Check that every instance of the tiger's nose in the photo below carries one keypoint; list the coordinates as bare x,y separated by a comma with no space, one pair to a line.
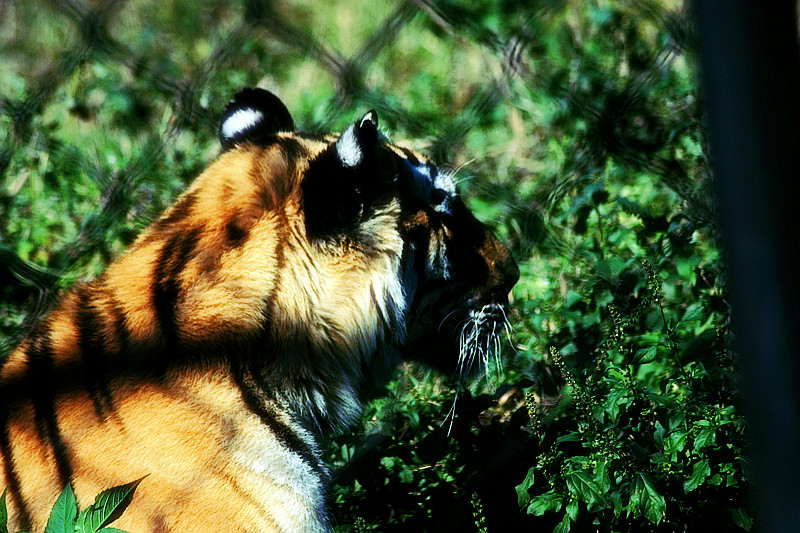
506,275
511,273
503,270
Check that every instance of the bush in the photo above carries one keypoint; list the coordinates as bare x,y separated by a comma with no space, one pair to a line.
577,134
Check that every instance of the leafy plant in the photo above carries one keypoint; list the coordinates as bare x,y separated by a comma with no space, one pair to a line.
65,516
576,131
619,403
639,443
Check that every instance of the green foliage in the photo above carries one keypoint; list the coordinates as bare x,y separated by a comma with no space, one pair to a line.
622,364
3,513
576,131
65,518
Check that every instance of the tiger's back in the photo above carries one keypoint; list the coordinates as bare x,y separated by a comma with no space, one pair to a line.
277,294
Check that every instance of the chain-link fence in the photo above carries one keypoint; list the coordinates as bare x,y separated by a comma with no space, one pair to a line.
68,56
79,36
575,129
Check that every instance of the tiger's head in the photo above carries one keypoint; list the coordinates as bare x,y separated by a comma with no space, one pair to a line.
325,259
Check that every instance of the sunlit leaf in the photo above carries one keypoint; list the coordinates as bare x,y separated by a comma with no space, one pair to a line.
584,487
107,507
3,513
65,510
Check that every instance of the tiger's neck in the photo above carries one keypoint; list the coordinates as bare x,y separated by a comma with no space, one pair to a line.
125,326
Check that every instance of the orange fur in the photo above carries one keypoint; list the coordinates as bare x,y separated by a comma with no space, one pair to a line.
214,354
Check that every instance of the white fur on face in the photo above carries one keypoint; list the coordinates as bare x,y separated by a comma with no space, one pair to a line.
438,262
436,187
241,121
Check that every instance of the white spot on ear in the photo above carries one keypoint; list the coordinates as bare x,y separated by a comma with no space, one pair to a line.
241,121
348,149
371,116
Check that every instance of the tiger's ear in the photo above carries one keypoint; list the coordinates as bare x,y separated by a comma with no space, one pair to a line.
343,182
358,142
252,115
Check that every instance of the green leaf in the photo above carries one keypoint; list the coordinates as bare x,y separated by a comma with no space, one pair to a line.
549,501
694,313
572,509
601,16
616,400
603,477
700,472
647,355
633,208
107,507
572,436
675,443
3,513
584,487
616,502
65,510
609,269
646,499
405,475
705,437
742,518
523,498
618,395
658,434
564,526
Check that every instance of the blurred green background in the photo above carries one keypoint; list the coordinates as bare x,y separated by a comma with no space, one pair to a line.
576,131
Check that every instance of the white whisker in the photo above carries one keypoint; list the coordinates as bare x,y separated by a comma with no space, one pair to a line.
480,341
459,168
445,320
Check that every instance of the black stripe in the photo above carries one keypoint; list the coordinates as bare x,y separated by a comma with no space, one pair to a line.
253,397
175,254
381,317
274,189
122,337
245,369
410,156
42,383
235,234
294,151
422,238
270,304
181,210
94,353
10,473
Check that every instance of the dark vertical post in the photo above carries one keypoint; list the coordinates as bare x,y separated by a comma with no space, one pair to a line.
751,77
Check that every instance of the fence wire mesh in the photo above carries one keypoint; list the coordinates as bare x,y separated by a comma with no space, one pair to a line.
575,129
81,78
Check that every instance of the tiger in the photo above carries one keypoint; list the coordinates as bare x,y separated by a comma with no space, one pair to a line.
247,324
